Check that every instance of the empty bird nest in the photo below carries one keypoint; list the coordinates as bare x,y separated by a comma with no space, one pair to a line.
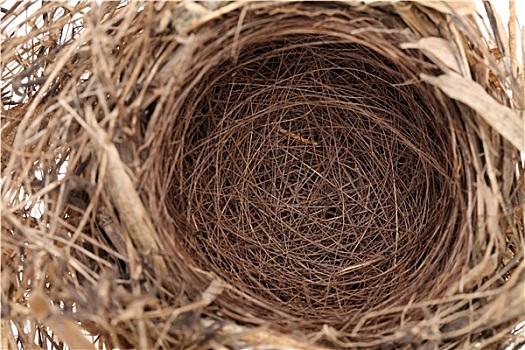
233,175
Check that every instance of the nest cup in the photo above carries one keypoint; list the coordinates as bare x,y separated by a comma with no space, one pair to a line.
312,171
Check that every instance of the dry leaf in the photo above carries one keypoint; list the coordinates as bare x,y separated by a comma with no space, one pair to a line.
438,50
64,328
416,19
462,8
503,119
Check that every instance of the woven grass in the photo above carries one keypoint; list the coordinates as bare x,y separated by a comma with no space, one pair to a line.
275,175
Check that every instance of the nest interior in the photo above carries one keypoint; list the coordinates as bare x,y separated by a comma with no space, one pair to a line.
312,171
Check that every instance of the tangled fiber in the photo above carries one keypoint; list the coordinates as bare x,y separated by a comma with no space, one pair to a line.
285,175
313,172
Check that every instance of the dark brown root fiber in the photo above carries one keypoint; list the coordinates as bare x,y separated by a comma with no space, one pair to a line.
313,171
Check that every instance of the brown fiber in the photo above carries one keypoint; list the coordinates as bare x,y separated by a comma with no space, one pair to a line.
277,175
315,174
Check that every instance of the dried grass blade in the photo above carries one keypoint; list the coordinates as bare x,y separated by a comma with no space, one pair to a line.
503,119
65,329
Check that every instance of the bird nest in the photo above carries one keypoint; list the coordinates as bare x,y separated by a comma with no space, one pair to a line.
278,174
